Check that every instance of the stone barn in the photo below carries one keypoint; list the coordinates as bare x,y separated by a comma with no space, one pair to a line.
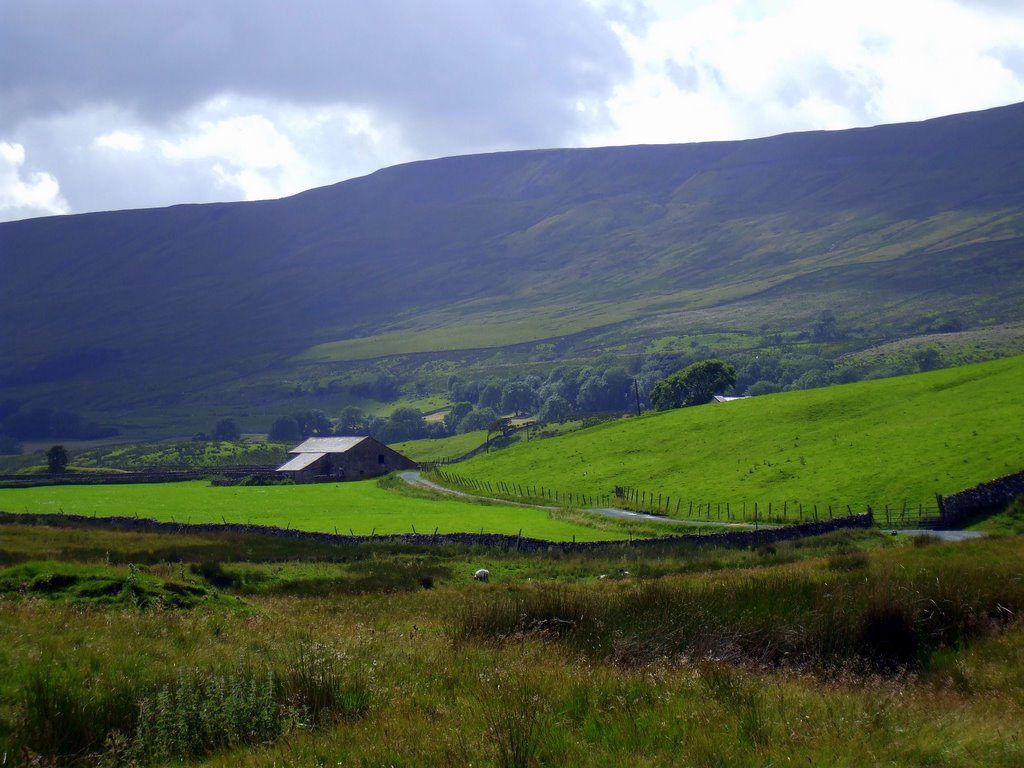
321,459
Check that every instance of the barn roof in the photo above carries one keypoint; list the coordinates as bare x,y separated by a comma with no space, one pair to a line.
300,462
323,445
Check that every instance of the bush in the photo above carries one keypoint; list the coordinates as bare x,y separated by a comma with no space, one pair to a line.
226,430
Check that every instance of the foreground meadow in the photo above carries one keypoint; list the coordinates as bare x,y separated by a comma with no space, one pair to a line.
362,508
854,649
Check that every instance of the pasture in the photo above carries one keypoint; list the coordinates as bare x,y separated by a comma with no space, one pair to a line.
362,508
875,443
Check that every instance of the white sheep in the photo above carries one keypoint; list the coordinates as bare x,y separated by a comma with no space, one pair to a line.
482,575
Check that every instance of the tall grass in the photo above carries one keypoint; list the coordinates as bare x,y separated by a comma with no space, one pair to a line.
514,711
593,678
881,619
66,714
71,718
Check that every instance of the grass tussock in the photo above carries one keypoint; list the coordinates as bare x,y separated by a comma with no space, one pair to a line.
101,586
880,619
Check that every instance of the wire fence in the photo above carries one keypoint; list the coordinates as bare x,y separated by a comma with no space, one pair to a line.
902,515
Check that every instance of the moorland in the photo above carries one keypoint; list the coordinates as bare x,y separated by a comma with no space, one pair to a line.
853,649
843,253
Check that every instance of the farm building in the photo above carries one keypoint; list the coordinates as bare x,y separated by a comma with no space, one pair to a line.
341,458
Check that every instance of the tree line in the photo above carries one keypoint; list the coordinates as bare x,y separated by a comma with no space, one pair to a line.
19,423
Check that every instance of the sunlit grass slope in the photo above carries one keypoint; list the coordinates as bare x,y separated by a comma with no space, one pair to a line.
442,448
363,507
878,442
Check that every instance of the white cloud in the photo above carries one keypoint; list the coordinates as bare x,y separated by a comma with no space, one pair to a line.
24,195
246,140
265,150
122,141
740,68
246,100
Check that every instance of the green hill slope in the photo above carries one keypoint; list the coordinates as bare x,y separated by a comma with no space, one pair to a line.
878,442
170,307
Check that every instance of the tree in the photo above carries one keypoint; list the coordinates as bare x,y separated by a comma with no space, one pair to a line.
351,421
285,430
518,397
604,390
226,429
57,459
455,415
314,424
502,425
763,387
490,395
478,418
694,385
555,408
826,328
404,424
927,359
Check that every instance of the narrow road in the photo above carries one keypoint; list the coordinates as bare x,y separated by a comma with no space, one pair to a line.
415,478
943,535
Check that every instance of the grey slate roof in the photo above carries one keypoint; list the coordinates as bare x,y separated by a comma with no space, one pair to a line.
308,451
327,445
299,462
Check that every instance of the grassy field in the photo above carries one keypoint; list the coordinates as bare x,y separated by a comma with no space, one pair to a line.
443,448
362,507
191,454
877,443
854,649
1009,522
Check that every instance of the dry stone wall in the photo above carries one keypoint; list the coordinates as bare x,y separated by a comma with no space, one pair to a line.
487,540
980,500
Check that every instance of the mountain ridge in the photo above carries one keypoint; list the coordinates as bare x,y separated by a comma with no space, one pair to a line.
511,247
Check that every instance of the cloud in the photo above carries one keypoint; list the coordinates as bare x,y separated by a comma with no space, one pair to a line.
133,104
22,194
740,68
482,72
120,141
187,100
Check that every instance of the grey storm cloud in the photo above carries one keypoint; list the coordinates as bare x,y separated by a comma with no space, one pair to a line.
508,71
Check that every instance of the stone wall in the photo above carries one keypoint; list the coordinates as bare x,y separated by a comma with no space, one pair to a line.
980,500
123,478
489,540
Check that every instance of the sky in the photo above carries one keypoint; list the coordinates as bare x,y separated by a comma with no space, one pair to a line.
112,104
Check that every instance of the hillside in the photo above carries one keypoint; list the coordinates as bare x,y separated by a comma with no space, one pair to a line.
899,229
878,442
